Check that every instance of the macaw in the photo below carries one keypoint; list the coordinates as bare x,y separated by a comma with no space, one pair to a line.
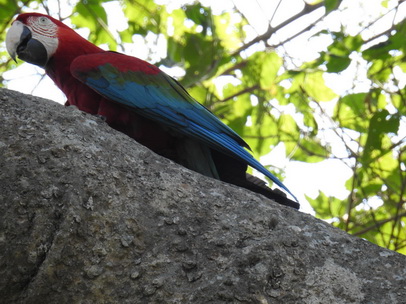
140,100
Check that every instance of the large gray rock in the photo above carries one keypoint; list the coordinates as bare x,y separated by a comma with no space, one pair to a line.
90,216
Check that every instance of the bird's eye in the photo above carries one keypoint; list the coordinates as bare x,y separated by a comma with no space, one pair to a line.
43,20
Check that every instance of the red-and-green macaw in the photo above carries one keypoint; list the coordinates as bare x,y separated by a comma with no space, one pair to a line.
138,99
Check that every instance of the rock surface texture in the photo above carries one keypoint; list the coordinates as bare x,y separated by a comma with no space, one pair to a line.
87,215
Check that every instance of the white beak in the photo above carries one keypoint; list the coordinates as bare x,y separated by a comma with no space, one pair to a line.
13,38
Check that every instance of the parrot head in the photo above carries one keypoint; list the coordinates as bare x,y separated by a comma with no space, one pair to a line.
33,38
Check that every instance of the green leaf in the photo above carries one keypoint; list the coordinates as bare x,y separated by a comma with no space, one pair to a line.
242,106
262,133
352,43
6,7
331,5
382,50
398,102
343,44
202,55
174,50
310,121
238,110
315,86
144,16
337,64
200,15
91,14
126,36
271,64
252,69
86,14
356,102
380,124
226,31
311,151
286,124
199,93
338,53
351,113
327,207
380,70
178,23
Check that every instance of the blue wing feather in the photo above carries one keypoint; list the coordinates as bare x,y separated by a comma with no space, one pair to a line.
162,99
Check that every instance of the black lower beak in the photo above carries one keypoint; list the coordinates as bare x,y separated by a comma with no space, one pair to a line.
31,50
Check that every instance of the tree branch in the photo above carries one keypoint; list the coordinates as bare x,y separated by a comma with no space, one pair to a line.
380,18
271,30
246,90
379,224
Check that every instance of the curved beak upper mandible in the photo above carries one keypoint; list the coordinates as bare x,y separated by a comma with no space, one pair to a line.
19,42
